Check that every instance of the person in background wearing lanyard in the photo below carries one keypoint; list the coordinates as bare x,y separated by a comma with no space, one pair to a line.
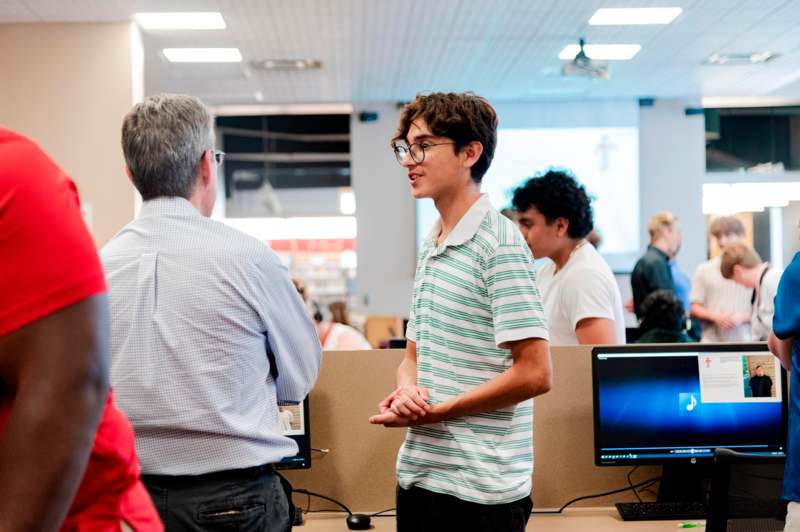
742,264
581,298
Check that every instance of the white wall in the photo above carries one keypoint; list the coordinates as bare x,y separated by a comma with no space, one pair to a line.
606,113
671,173
791,216
385,216
68,86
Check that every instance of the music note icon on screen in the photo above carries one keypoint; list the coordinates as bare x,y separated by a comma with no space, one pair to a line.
692,404
688,403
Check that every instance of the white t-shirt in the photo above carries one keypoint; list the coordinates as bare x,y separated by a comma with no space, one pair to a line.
583,288
340,337
715,293
764,306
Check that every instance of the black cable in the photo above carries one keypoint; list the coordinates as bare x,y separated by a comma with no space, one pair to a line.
649,481
645,489
383,513
630,483
753,475
334,501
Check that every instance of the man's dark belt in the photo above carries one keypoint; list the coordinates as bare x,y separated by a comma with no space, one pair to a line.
214,476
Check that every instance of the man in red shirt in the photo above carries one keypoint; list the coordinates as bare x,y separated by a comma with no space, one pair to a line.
55,410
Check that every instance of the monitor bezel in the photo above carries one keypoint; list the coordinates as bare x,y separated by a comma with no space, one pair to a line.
675,348
303,444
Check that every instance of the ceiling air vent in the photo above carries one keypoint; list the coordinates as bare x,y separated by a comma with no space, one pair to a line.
740,59
286,64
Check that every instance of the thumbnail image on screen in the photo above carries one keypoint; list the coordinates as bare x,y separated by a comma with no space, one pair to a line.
292,419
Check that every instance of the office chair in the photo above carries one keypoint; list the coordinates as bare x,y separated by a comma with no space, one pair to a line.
746,493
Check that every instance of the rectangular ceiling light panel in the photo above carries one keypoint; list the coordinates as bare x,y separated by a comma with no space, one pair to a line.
181,21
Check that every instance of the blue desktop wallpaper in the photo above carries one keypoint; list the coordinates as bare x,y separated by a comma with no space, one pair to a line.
643,403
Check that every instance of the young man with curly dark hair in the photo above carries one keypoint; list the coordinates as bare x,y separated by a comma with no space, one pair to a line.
582,301
477,340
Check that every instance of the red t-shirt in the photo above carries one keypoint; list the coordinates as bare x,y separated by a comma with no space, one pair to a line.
48,261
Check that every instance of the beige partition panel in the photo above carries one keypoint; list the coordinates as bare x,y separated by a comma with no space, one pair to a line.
563,439
359,470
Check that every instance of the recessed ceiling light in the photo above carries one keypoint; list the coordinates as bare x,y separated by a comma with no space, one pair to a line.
202,55
634,16
740,59
603,52
181,21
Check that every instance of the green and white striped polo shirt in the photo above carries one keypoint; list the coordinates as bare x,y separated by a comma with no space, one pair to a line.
473,293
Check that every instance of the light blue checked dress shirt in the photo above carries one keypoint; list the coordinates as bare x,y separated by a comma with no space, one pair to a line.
208,336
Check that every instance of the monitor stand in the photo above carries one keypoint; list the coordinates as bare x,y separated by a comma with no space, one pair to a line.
684,483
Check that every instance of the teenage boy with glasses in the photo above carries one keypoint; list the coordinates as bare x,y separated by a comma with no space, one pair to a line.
477,339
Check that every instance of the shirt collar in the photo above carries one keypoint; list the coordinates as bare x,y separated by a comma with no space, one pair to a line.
466,227
659,251
168,206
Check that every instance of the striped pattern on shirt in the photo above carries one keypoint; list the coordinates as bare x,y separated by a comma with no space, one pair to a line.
472,294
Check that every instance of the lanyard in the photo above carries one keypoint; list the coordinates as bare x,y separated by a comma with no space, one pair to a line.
758,290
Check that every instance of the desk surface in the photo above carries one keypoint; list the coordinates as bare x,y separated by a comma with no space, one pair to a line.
572,520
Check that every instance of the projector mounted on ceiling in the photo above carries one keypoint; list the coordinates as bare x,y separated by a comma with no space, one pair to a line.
582,66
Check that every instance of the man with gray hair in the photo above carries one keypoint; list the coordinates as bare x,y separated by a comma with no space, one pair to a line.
208,335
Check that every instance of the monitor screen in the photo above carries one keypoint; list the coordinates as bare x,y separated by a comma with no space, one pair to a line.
295,424
677,403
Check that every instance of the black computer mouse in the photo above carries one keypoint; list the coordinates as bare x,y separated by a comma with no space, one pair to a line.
358,522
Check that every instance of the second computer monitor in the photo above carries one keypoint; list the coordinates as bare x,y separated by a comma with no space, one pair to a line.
675,404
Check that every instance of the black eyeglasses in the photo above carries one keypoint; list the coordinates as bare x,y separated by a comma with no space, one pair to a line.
219,156
416,150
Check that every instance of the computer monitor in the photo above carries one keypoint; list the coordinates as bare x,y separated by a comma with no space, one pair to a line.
295,424
674,404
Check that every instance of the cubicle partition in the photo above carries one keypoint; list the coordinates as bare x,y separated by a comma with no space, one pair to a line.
359,467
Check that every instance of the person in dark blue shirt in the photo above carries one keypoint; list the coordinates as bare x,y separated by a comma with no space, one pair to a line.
682,284
784,342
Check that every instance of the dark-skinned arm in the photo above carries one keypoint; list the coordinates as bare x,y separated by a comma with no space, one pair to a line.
55,368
